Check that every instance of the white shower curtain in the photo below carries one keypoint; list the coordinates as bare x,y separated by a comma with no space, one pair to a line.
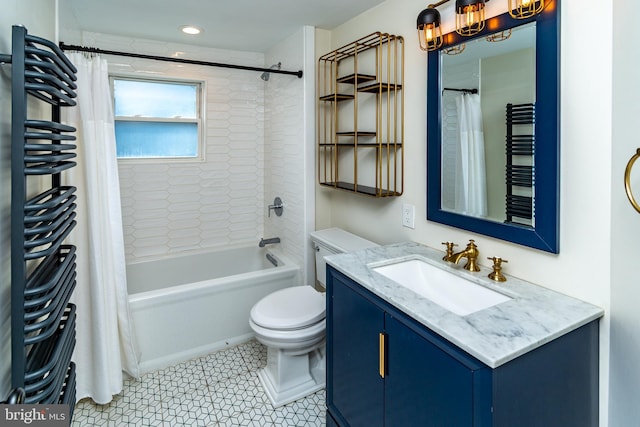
471,180
105,340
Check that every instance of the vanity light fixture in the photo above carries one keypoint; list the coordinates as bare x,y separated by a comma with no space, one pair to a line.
522,9
190,29
470,19
429,29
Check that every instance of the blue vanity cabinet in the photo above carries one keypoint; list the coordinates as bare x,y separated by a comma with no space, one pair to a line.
430,382
355,391
426,382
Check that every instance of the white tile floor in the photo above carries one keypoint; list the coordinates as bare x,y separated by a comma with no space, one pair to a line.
221,389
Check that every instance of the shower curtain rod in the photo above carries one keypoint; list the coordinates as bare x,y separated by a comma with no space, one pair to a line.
65,46
461,90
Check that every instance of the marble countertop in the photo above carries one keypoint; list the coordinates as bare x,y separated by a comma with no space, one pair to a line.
495,335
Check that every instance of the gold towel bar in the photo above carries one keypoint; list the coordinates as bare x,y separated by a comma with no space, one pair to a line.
627,180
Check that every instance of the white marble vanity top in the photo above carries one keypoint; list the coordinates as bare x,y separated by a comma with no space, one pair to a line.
496,335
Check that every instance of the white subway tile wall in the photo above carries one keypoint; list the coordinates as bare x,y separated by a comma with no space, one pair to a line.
285,148
170,207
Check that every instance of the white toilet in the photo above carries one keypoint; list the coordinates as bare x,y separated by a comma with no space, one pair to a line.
291,323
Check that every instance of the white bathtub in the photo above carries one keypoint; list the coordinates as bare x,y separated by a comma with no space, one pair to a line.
188,306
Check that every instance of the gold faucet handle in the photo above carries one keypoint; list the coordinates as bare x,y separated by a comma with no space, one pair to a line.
496,274
450,246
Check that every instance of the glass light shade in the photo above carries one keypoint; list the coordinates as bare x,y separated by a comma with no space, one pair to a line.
429,29
469,17
521,9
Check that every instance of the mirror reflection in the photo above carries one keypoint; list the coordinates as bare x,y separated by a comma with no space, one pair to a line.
488,91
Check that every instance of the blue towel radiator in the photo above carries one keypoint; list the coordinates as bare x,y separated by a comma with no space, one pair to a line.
42,266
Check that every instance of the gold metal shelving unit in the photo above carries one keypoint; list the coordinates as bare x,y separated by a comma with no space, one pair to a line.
361,116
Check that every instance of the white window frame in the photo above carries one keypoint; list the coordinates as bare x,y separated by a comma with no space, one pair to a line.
199,120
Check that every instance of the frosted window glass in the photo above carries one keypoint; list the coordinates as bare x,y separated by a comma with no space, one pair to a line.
139,98
156,139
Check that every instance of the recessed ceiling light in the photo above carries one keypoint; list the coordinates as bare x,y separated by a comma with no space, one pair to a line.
190,29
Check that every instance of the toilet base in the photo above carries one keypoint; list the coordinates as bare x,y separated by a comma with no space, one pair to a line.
290,377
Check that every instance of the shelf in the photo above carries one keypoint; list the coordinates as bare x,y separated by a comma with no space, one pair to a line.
337,97
371,41
369,74
382,145
359,133
360,78
379,87
362,189
369,88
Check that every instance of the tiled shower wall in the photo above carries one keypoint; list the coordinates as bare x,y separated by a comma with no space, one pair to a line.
285,148
171,207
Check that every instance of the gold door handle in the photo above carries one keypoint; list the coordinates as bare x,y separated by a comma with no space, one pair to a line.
382,349
627,180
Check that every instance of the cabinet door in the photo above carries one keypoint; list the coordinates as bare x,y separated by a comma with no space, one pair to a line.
425,386
355,390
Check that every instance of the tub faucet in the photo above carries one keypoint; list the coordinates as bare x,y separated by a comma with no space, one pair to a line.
265,242
470,253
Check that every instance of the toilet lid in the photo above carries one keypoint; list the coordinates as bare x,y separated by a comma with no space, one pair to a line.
289,308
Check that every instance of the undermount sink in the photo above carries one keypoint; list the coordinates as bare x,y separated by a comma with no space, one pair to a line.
446,289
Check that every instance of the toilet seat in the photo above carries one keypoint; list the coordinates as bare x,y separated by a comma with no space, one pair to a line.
290,309
293,341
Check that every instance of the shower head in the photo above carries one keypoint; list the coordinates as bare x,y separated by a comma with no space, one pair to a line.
265,76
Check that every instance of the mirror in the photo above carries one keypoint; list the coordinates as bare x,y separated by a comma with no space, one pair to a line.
493,131
479,83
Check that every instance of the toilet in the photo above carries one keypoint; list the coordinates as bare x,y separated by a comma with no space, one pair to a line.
291,324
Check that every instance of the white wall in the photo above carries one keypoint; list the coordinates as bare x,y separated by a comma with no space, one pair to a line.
625,289
322,198
290,147
583,267
39,17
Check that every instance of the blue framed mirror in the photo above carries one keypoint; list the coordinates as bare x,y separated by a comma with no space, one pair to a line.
493,134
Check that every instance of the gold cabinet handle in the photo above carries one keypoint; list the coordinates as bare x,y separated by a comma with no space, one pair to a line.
382,348
627,180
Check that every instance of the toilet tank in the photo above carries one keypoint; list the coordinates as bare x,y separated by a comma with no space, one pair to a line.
334,241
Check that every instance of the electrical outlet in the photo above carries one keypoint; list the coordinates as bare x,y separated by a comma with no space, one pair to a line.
408,216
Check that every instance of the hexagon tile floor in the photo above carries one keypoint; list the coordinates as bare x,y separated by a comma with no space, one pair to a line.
220,389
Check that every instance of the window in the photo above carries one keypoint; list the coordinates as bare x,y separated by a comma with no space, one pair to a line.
157,118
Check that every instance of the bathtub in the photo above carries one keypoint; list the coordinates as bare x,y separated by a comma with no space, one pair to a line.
189,306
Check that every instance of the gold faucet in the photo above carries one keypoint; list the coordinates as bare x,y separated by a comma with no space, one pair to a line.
470,253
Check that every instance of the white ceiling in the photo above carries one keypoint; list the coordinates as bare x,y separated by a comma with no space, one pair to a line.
247,25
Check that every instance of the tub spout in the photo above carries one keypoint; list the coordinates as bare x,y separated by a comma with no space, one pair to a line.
265,242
